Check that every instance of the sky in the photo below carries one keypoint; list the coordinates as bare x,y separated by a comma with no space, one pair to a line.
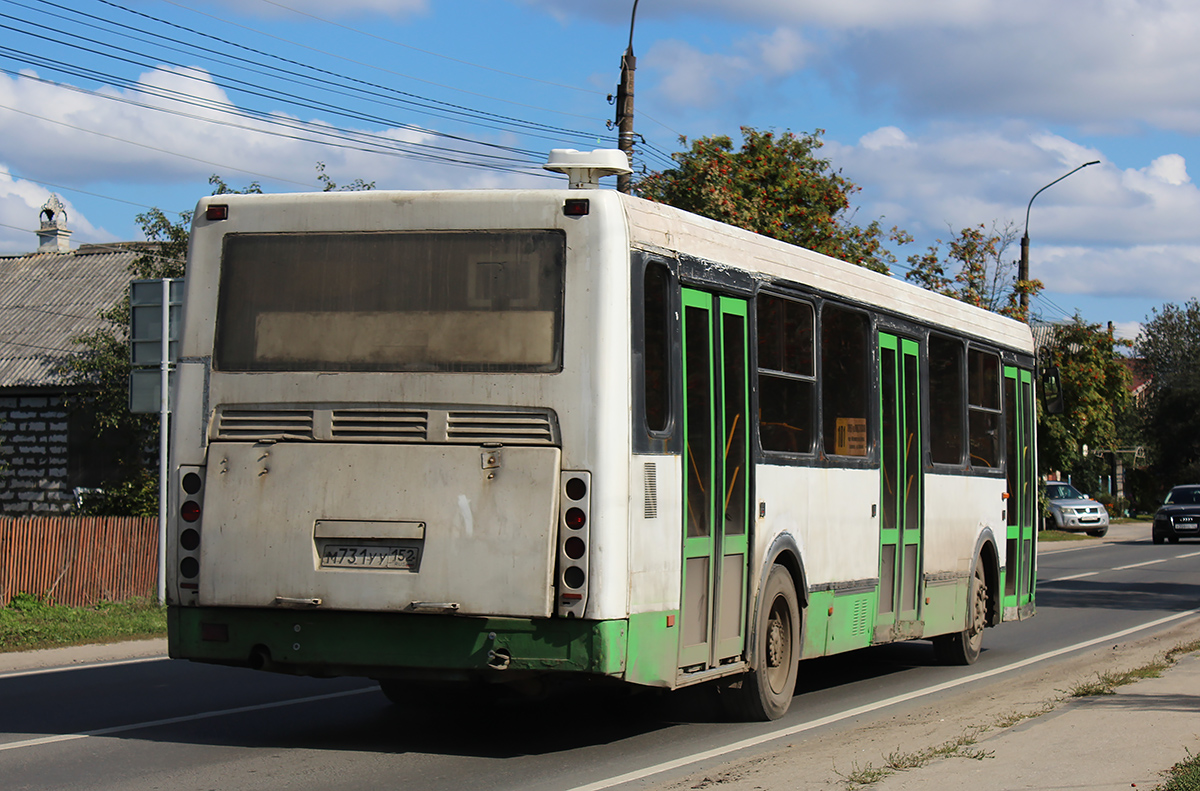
946,113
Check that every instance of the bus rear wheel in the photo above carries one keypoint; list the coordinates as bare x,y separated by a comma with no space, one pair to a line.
766,691
962,648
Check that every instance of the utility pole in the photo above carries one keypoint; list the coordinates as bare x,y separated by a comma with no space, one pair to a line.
625,106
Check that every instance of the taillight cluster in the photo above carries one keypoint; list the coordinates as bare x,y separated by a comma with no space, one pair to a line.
187,538
574,528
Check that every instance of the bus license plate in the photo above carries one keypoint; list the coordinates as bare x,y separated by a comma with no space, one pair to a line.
371,556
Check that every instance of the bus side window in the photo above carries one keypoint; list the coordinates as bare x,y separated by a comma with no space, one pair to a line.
845,388
786,375
657,349
945,399
983,401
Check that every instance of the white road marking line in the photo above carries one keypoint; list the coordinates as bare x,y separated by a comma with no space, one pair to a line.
66,737
754,741
88,666
1121,568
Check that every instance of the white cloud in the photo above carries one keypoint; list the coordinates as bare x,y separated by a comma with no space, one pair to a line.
687,77
1169,168
885,137
1113,65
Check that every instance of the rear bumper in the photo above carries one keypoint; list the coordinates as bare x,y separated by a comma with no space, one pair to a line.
383,644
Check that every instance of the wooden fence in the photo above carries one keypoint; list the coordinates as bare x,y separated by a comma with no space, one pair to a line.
78,560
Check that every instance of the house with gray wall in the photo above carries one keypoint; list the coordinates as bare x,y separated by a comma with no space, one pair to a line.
49,446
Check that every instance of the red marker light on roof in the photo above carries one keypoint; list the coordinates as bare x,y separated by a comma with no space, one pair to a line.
576,207
218,212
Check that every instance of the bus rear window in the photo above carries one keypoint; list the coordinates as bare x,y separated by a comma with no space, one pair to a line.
460,301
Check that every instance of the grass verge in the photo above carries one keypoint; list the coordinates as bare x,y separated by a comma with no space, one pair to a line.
27,623
1061,535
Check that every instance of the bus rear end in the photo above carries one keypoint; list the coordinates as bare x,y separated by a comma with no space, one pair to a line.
384,463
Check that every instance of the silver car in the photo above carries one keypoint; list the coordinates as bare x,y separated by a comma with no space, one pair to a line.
1074,510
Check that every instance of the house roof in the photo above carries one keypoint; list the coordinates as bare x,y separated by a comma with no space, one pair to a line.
46,298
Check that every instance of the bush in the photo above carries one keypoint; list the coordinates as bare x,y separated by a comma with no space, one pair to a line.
135,496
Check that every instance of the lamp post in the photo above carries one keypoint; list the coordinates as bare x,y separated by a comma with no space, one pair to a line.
625,106
1023,269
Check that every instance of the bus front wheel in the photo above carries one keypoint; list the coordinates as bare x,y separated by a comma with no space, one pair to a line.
766,691
962,648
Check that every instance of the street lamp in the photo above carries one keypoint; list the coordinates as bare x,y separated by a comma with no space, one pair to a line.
625,106
1023,269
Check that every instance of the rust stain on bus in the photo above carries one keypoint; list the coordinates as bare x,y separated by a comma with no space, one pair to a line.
78,561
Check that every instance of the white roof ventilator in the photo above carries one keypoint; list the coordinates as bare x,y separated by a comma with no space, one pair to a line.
584,169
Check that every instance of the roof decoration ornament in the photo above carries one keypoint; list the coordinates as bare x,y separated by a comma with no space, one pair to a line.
52,209
54,235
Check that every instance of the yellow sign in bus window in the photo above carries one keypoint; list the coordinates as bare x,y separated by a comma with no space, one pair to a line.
851,436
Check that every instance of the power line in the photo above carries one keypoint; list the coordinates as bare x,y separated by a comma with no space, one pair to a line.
374,93
242,86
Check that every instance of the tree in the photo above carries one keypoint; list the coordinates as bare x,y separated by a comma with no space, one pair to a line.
1169,346
100,369
981,275
1095,386
773,185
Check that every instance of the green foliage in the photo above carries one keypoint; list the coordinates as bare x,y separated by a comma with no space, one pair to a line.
981,275
136,495
773,185
1096,392
1169,345
329,185
29,623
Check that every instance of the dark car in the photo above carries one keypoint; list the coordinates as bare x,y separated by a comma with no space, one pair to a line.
1179,516
1073,510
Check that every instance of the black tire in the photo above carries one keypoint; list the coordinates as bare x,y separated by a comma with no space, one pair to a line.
1159,539
1099,532
962,648
765,692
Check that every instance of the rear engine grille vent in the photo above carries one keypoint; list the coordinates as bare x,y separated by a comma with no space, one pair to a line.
503,427
380,425
254,424
384,424
858,618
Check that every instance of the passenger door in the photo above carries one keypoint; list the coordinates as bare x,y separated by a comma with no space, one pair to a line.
1019,577
716,480
902,483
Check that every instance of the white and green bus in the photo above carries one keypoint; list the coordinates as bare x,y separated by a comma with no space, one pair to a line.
505,437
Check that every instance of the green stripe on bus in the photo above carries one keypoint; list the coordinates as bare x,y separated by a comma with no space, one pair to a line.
358,643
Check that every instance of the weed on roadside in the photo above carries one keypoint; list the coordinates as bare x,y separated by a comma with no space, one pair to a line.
1183,776
1107,683
1012,718
28,623
898,761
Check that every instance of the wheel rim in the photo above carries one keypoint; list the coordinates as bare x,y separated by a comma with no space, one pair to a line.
779,645
978,612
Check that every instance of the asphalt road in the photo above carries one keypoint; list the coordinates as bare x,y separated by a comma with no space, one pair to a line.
164,724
